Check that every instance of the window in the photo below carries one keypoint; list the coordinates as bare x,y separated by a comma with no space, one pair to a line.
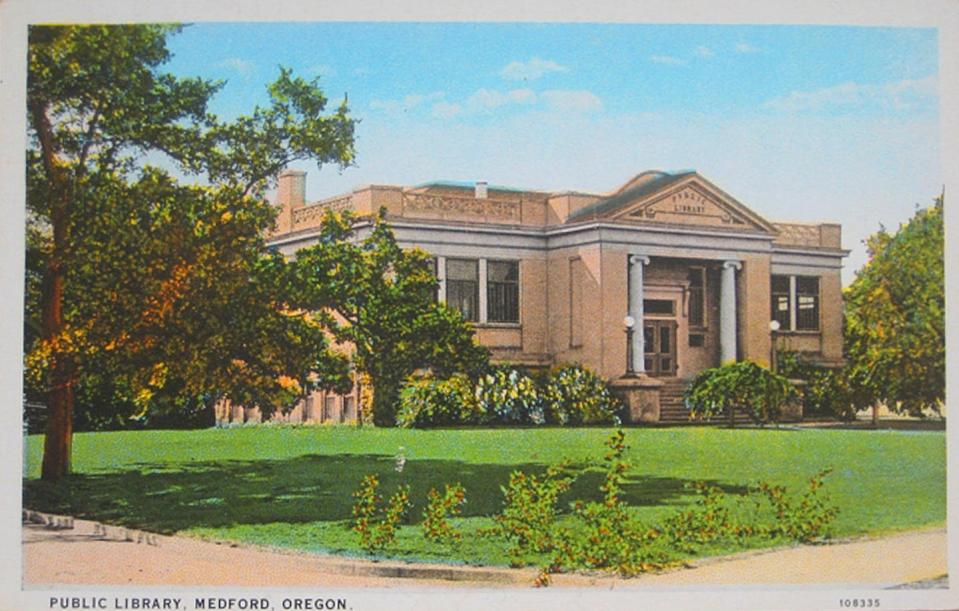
329,405
807,303
348,410
502,291
659,306
795,302
781,302
697,297
462,287
577,276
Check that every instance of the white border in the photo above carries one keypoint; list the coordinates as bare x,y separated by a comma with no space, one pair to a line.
15,14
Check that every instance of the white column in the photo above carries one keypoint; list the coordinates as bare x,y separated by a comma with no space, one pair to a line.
482,290
635,307
441,278
727,312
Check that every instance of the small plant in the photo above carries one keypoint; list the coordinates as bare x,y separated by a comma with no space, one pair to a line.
376,526
439,508
805,520
707,521
508,396
575,395
605,535
528,518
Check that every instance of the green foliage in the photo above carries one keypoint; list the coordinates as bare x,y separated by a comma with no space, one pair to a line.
895,317
826,391
428,401
439,508
704,523
605,535
805,519
158,288
508,396
528,519
384,298
739,385
376,525
575,395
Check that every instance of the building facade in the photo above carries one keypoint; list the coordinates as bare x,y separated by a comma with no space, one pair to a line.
550,277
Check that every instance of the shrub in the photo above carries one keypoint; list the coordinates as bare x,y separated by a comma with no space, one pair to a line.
744,385
707,521
805,519
528,518
575,395
439,507
508,396
827,391
376,526
428,401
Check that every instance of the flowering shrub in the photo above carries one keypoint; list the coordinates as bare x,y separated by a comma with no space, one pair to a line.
529,512
376,526
805,519
429,401
439,507
575,395
508,396
739,385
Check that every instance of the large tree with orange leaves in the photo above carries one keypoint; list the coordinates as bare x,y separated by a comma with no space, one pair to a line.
136,278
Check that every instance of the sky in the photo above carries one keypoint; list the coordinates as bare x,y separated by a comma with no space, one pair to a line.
800,123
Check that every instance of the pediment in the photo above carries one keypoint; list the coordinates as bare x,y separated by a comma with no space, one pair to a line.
693,201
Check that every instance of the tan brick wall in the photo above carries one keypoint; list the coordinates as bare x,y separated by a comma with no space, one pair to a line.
754,315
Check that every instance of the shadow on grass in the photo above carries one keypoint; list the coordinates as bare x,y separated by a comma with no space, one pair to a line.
304,489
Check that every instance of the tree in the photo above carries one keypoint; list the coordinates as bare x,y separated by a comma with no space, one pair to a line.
895,317
381,299
134,274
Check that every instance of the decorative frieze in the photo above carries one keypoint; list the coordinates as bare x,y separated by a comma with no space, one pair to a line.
453,207
796,234
312,215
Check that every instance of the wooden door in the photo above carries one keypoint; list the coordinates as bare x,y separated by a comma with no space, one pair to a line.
660,347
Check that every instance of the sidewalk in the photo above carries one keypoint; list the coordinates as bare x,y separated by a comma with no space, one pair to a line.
94,554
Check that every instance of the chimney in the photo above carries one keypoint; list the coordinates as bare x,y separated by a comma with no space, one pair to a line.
291,189
481,189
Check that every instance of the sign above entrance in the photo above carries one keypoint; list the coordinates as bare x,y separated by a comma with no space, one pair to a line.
689,206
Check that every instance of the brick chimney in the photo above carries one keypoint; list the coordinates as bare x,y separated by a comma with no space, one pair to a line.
290,195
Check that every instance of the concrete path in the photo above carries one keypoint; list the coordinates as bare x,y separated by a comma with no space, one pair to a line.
90,553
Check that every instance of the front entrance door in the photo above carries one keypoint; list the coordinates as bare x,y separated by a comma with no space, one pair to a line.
659,337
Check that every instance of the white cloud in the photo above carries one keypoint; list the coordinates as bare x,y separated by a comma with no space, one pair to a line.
894,95
488,99
242,66
745,47
406,103
667,60
445,110
572,100
704,51
531,70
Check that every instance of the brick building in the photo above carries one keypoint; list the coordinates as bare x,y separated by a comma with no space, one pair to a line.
550,277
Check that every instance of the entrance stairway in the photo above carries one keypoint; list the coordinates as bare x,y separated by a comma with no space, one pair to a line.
672,410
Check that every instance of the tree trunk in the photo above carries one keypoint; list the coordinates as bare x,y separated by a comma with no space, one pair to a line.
58,440
59,434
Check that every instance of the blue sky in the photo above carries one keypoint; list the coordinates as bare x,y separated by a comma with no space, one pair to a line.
800,123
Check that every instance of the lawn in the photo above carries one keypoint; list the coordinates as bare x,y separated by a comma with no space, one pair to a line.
291,487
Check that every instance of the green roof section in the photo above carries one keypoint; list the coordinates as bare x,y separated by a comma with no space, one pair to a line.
661,180
467,184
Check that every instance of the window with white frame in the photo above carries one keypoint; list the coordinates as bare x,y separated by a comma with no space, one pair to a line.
462,287
482,290
502,291
795,302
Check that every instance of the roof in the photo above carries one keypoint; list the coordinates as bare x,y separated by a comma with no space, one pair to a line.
467,184
656,181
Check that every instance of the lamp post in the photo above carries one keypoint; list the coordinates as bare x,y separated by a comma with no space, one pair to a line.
773,328
630,322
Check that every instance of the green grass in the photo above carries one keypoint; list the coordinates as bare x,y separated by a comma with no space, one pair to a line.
291,487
